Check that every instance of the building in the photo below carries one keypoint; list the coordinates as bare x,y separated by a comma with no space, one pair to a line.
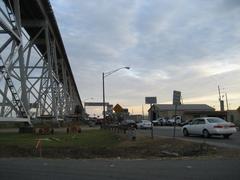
186,111
234,116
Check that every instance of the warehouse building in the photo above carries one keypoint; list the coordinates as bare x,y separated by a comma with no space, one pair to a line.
186,111
234,116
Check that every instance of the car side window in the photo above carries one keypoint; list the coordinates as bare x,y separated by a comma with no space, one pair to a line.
194,122
201,121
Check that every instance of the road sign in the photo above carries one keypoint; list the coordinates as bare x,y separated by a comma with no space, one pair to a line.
118,108
176,97
150,100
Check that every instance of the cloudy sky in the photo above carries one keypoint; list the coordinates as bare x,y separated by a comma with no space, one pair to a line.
187,45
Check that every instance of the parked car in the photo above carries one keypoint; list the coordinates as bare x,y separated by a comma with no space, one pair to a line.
207,126
171,122
144,124
128,123
159,122
155,122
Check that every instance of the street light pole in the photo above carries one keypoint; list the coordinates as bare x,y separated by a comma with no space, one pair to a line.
104,112
103,81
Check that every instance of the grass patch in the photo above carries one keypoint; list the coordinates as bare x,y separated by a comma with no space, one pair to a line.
59,145
102,144
89,139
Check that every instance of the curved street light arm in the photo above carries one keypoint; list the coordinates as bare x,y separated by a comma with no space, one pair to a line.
111,72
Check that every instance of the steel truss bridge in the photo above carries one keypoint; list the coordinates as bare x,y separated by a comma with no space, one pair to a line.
36,80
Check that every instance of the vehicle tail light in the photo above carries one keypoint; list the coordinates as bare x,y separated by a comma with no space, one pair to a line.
218,126
232,125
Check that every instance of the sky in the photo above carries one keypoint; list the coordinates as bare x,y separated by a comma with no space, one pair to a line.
187,45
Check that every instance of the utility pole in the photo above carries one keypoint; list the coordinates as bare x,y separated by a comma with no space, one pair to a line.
176,102
142,111
220,100
175,116
219,93
226,100
151,105
104,112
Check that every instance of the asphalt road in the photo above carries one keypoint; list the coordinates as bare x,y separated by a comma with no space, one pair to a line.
119,169
232,142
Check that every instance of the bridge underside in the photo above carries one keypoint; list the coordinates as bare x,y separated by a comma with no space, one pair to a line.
35,75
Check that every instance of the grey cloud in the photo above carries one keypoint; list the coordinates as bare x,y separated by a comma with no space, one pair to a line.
160,40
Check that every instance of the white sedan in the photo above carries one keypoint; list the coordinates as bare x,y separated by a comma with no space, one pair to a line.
144,124
207,126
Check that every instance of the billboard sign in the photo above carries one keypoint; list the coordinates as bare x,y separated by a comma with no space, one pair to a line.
176,97
151,100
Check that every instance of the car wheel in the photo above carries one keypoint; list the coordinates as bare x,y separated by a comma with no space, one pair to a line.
185,132
206,133
226,136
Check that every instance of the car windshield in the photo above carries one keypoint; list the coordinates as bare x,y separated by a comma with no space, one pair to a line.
215,120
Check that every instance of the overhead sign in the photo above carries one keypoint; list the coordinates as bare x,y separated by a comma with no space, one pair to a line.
118,108
176,97
150,100
95,104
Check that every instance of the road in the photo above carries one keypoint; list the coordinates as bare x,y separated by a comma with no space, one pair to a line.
232,142
118,169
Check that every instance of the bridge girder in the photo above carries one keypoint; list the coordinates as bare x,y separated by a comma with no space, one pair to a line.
35,75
